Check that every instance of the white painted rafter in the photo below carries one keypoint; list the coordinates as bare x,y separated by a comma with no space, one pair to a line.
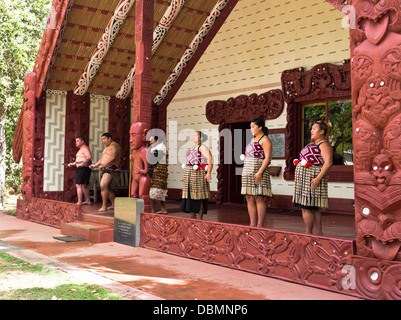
158,35
105,43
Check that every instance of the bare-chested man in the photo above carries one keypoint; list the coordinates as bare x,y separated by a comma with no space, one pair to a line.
109,174
82,161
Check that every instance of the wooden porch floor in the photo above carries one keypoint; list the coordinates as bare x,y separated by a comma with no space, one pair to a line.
334,225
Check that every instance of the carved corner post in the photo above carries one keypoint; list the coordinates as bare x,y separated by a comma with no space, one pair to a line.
28,135
375,40
142,94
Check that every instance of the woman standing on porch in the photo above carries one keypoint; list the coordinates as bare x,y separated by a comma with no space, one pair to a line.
255,176
310,189
195,184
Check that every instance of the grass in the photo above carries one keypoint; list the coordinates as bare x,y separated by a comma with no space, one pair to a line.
40,283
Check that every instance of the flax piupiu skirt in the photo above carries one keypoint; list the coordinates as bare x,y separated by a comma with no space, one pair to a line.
304,196
195,191
248,185
158,182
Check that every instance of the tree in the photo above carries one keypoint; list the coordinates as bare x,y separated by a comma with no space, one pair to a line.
22,23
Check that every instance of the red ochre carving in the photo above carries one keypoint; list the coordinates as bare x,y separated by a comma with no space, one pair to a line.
376,95
376,83
285,255
244,108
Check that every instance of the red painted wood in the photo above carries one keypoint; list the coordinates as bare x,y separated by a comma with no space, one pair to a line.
28,135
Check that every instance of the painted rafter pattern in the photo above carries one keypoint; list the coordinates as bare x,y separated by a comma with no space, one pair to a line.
105,43
189,53
158,35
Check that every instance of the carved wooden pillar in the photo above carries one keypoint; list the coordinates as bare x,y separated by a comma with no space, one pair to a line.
28,135
119,124
142,95
376,98
142,100
38,159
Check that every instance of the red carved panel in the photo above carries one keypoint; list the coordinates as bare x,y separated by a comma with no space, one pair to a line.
28,135
48,212
244,108
142,92
301,258
377,279
376,112
119,125
38,159
324,81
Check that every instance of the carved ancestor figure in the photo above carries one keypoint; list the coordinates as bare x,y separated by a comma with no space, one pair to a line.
376,97
140,178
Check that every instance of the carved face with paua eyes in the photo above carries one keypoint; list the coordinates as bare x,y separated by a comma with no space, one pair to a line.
383,170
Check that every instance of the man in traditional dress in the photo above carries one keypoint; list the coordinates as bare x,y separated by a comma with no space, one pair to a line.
109,173
159,175
82,161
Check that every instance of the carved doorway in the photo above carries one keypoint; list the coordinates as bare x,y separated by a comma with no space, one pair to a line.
237,113
240,134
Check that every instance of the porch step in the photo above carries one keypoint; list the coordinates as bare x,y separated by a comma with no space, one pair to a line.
98,218
92,231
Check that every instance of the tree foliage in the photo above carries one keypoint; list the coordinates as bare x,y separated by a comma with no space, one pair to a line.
22,23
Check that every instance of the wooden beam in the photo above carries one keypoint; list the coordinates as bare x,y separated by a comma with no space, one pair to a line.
105,43
164,25
142,102
191,56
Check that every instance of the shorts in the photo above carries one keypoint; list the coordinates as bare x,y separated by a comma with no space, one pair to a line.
83,175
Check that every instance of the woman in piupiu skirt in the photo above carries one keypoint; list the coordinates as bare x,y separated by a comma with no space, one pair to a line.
310,183
195,183
255,179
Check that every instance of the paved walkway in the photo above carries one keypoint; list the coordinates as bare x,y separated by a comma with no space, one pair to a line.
144,274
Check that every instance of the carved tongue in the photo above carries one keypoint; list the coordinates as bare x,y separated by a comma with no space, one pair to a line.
385,251
375,30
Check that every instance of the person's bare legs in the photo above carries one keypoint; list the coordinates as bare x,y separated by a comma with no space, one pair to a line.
104,190
261,209
152,205
112,196
318,222
163,209
252,210
312,219
79,193
85,190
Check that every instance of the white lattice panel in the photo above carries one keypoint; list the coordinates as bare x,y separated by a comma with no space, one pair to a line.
53,176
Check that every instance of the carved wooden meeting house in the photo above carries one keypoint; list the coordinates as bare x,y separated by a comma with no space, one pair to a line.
214,65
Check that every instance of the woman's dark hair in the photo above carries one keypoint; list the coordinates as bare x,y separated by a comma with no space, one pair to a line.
325,126
260,123
201,137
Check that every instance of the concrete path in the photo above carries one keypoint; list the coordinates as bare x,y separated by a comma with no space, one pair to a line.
144,274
